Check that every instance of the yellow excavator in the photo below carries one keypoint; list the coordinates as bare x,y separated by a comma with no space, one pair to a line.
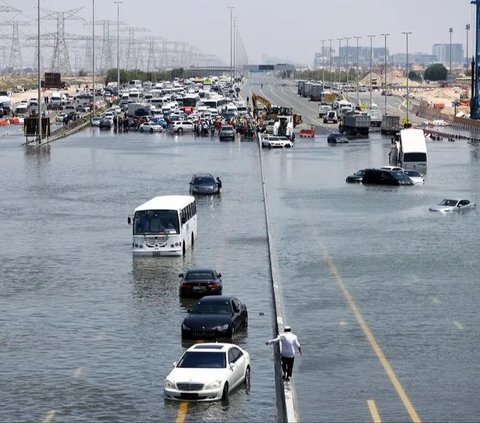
271,112
256,101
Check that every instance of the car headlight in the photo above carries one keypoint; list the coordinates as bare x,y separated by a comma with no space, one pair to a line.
185,327
169,384
214,385
221,327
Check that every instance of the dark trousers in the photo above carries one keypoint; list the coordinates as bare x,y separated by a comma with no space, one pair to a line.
287,365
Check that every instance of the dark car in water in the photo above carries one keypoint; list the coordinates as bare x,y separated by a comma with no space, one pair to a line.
385,177
337,138
200,282
204,183
356,177
215,316
227,132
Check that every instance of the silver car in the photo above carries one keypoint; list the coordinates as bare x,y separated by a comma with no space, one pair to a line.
449,205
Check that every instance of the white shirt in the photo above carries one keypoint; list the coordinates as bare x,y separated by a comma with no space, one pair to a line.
288,342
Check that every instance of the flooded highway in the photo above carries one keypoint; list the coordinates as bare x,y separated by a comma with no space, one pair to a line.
382,293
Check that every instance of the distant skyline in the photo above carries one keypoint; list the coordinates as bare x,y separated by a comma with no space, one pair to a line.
267,27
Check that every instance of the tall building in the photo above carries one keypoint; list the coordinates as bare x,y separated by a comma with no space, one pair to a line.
442,53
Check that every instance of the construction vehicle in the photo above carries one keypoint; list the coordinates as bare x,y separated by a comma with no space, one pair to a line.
260,103
272,112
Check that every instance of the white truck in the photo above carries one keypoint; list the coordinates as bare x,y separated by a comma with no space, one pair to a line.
283,126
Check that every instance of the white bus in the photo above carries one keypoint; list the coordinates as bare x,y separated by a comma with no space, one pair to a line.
164,226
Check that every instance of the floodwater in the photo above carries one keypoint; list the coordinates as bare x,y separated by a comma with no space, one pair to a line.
90,332
411,274
86,329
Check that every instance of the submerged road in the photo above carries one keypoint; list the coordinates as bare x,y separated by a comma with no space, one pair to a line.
381,292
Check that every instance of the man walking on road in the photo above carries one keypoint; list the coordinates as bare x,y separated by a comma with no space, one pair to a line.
288,342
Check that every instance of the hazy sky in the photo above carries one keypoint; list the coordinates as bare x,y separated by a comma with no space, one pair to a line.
290,30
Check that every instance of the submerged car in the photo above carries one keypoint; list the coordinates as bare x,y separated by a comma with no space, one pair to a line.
386,177
227,132
274,141
199,282
215,316
450,205
205,184
356,177
337,138
208,372
150,127
416,177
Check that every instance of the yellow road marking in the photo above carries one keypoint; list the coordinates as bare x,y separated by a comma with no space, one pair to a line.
49,417
182,412
374,412
371,339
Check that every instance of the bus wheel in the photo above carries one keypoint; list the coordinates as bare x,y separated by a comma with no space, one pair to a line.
193,239
183,248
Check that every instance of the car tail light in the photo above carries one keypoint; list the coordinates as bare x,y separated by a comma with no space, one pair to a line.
214,285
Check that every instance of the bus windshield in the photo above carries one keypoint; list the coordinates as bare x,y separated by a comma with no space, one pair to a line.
155,222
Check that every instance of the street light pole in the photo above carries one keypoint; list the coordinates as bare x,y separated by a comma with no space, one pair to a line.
339,61
347,64
330,40
467,29
39,77
371,58
385,72
407,33
450,30
231,41
323,63
93,54
356,71
118,47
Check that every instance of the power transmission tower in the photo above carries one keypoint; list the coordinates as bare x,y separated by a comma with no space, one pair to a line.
151,59
60,58
16,60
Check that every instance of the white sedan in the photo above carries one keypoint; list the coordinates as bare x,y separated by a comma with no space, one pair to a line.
274,141
150,127
449,205
208,372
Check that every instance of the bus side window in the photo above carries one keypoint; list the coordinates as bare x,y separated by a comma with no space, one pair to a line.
183,217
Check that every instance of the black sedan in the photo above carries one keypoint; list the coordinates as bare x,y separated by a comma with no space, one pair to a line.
337,138
200,282
205,184
215,316
385,177
356,177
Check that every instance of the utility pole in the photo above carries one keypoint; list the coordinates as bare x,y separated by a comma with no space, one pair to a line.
407,33
371,58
